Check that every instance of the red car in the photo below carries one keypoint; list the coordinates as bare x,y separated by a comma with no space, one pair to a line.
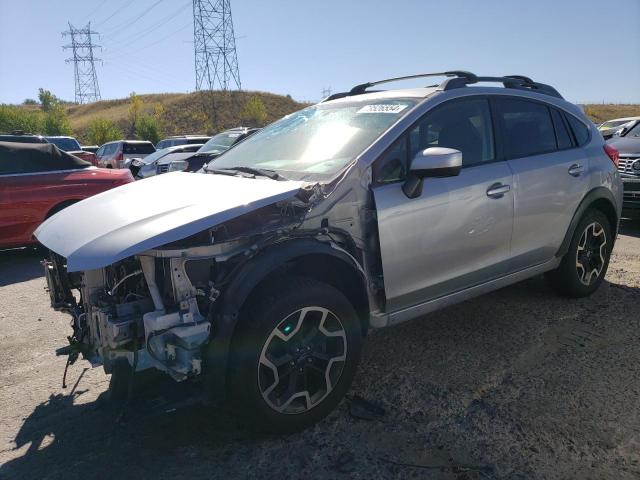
38,180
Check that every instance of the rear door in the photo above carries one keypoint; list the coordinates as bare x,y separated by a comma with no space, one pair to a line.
457,233
550,175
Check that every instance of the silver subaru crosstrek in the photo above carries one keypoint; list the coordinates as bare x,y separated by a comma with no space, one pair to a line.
259,278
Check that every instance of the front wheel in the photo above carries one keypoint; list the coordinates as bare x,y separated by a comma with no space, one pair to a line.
585,264
295,355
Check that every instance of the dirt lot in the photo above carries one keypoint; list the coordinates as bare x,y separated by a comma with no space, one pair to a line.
516,384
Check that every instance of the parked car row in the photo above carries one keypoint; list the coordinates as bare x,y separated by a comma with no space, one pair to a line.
186,153
67,144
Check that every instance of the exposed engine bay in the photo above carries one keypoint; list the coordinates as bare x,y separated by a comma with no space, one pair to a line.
155,310
158,309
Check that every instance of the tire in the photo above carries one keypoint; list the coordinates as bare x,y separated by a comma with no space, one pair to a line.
283,335
580,274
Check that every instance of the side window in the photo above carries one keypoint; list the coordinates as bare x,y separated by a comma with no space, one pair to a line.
562,134
100,151
527,128
461,124
580,131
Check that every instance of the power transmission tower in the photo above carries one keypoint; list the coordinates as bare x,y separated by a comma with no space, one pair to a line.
215,45
326,92
87,89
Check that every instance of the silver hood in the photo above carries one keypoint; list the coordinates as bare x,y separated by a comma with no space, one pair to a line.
146,214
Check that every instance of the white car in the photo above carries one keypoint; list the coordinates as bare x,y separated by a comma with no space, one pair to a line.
148,166
609,128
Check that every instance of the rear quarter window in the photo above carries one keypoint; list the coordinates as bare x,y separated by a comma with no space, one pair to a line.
579,129
562,134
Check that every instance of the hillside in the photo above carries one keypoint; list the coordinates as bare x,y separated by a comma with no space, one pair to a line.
210,112
197,112
600,112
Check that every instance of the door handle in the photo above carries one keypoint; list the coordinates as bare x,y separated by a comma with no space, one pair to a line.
576,170
497,190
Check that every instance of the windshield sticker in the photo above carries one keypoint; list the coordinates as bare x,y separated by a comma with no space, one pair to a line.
233,135
382,108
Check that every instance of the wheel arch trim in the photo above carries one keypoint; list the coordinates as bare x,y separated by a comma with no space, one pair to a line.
244,282
594,196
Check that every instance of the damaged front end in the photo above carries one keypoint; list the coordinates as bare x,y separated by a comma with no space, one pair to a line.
157,309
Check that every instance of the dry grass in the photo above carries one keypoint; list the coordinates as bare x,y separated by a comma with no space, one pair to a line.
184,113
602,112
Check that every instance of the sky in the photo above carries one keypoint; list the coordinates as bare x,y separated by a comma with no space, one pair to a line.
587,49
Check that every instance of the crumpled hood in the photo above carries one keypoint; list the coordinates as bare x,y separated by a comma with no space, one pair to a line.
149,213
625,145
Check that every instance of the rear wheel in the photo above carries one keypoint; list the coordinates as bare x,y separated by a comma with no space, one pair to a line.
295,355
585,264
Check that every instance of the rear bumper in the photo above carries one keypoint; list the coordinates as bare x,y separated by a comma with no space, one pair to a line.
631,198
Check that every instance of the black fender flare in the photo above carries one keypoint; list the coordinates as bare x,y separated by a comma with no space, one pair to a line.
244,281
598,193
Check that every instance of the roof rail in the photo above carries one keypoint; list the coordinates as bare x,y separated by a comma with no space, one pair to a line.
519,82
457,79
360,89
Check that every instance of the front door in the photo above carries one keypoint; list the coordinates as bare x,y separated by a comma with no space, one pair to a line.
457,233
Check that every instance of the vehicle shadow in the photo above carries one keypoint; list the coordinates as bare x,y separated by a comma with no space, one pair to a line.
19,265
65,437
630,227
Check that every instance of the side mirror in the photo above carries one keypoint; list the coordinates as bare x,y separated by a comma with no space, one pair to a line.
432,162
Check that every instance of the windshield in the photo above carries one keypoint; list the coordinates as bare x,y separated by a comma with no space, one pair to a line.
613,123
152,157
66,144
634,132
318,141
219,143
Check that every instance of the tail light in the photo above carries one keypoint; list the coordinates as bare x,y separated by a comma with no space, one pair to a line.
613,154
119,159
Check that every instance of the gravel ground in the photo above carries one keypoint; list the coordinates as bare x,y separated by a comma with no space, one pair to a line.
516,384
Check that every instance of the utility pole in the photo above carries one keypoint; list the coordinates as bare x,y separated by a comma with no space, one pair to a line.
86,80
214,43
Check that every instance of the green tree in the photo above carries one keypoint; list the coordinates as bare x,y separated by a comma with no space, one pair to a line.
16,118
254,113
148,127
30,101
102,131
56,121
47,99
135,105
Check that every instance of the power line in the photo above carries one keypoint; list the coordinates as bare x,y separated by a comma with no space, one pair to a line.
118,10
216,60
124,52
130,23
86,80
138,35
93,12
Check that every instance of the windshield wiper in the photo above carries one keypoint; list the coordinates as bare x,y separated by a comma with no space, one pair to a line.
262,172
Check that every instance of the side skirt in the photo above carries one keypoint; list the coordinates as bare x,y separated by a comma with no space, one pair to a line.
379,320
